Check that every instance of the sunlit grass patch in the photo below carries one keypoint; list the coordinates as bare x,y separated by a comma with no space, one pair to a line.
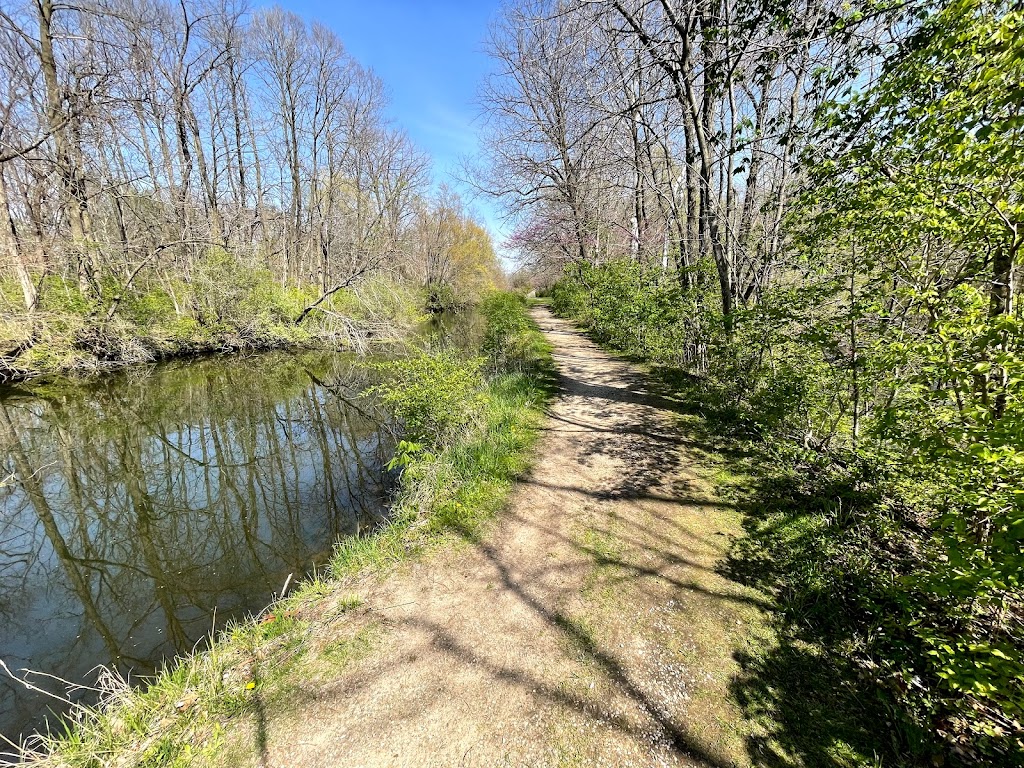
342,652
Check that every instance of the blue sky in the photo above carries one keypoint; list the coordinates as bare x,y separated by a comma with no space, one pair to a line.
430,56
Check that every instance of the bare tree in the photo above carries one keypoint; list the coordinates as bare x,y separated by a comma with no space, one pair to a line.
138,139
660,127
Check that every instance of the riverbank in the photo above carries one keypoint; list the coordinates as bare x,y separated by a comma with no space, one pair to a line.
68,336
449,487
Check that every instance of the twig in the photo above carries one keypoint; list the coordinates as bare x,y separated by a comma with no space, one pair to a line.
35,688
396,605
71,686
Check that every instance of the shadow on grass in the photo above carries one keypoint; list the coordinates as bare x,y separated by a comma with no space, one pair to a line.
809,533
807,541
812,688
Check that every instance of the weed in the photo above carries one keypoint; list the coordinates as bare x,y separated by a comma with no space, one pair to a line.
347,650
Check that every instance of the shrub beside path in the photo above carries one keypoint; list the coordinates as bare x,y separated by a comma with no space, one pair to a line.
589,625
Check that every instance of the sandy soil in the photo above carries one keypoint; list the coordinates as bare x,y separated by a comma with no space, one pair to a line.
590,626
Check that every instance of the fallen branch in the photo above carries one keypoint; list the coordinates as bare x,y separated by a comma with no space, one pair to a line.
327,294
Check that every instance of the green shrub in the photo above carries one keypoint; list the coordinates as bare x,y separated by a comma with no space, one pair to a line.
511,341
433,395
149,307
643,311
440,297
63,296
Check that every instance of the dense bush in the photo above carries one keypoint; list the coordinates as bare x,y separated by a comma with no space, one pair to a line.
468,412
433,394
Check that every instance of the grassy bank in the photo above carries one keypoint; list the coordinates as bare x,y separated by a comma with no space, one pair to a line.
469,430
226,307
809,685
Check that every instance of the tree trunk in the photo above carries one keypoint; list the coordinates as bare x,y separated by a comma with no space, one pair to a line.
11,249
1001,305
72,180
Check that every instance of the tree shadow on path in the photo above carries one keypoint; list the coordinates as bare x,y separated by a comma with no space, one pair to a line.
812,707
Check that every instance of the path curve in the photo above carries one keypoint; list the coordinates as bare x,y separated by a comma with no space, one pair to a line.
589,627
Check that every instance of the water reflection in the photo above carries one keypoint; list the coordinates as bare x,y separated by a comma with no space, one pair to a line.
463,330
141,504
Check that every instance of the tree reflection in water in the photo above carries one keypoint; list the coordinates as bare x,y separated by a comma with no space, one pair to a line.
143,503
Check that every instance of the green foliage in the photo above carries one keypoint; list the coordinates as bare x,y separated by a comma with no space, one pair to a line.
63,296
967,465
643,311
433,395
934,170
405,454
231,293
462,481
10,293
511,341
441,297
148,306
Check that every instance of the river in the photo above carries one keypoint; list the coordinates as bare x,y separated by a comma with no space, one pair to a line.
139,509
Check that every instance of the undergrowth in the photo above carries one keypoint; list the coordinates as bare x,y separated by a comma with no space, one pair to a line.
228,306
467,442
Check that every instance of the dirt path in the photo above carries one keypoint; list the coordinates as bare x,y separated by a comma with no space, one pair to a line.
590,627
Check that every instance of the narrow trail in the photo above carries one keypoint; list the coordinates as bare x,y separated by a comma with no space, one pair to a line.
590,626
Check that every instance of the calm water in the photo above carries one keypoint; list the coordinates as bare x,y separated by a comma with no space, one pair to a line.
138,507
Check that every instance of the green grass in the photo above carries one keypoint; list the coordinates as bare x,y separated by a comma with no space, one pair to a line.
342,652
175,721
806,542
